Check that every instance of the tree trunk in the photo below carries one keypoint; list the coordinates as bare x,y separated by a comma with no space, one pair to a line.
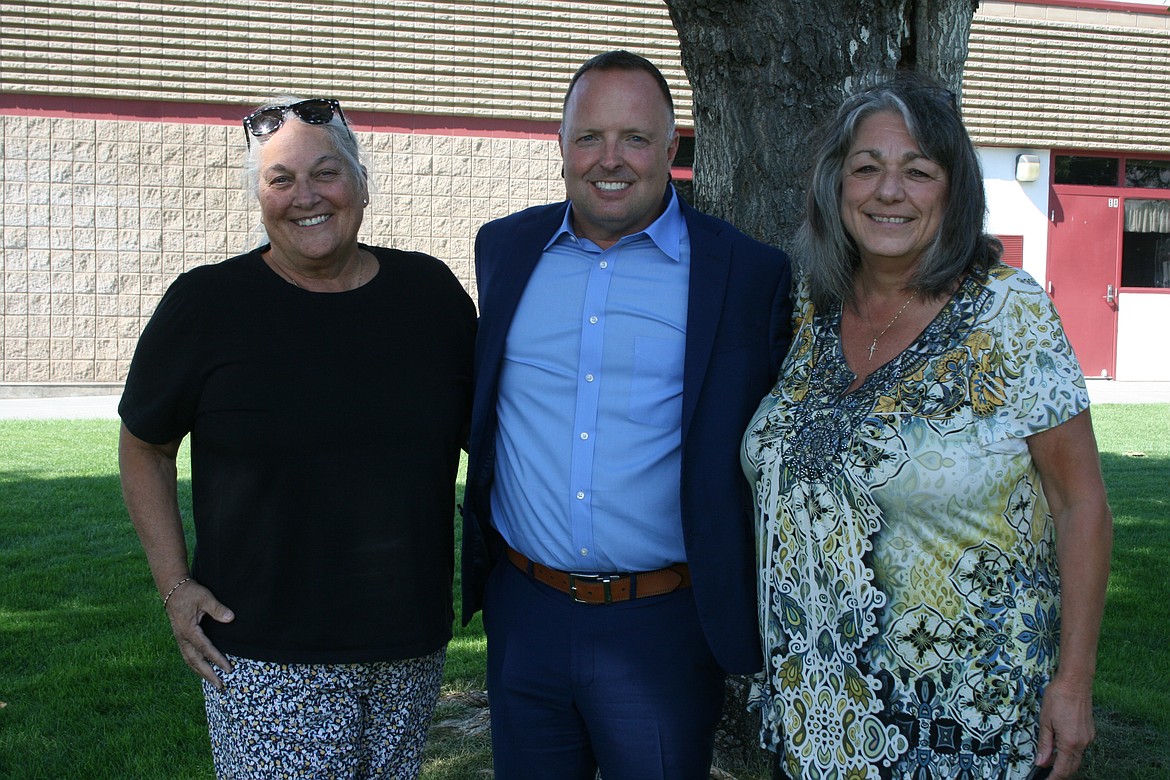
765,75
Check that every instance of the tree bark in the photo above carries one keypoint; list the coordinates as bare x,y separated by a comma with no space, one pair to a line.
766,75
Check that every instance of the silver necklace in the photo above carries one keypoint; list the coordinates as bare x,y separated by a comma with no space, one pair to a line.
873,345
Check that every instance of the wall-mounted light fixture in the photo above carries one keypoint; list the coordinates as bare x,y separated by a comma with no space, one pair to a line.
1027,167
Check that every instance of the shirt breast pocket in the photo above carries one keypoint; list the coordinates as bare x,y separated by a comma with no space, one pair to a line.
656,384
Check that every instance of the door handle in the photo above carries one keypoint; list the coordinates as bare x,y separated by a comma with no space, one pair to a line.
1110,293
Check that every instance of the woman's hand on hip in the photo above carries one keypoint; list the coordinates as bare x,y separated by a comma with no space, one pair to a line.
186,609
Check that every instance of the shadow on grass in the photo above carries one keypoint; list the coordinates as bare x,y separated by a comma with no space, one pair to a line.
1126,749
1134,656
91,682
94,685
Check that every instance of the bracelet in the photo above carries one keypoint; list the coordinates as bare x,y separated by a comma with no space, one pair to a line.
171,592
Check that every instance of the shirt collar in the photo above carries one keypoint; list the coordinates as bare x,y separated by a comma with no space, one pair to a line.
665,232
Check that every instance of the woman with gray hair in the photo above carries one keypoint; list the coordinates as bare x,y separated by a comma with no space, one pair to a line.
325,385
932,528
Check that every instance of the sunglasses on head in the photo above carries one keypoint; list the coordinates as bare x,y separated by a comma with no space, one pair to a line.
263,122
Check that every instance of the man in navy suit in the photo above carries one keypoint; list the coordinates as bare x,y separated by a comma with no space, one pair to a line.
624,341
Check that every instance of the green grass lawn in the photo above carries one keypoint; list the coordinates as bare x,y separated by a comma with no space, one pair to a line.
91,685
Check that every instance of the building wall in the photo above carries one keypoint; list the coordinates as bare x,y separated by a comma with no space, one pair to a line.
1049,76
1018,208
1043,76
1143,320
99,216
459,58
120,141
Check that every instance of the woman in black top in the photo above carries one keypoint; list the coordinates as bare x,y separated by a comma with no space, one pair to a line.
325,386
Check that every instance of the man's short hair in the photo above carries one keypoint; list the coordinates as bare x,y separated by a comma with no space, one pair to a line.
620,59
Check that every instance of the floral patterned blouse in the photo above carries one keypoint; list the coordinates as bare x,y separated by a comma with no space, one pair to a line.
908,584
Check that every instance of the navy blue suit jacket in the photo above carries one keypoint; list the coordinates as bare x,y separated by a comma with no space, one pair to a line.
738,331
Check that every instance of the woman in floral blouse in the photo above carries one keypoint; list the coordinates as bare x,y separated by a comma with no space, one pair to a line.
933,533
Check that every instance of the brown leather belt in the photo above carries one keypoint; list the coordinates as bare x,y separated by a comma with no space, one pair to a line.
606,588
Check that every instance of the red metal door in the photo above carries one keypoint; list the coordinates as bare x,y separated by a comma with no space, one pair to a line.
1084,272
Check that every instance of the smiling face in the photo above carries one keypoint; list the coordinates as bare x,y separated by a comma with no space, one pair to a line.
617,143
892,197
310,199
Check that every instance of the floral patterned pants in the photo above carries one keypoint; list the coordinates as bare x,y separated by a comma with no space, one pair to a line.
348,721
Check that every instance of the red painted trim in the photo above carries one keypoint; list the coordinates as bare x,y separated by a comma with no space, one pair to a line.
218,114
1112,191
1102,5
1119,189
1106,153
428,124
18,104
14,104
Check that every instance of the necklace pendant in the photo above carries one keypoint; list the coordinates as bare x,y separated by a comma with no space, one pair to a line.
885,330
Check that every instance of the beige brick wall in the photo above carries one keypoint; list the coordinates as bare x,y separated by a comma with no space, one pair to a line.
486,58
1077,78
99,216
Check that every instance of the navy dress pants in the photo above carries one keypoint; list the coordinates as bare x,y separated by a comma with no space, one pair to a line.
630,688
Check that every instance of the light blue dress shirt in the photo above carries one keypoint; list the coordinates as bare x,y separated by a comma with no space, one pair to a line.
590,403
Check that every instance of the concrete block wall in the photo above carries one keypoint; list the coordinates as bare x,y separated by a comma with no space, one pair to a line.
99,216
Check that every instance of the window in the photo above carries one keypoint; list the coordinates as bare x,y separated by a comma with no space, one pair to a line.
1105,171
1151,174
1094,171
1145,244
685,157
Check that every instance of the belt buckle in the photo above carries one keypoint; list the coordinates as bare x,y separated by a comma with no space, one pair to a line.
603,579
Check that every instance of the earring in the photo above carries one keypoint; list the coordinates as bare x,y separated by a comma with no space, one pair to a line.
365,202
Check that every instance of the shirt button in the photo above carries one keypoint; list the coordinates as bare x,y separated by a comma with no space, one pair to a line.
584,551
593,320
580,494
589,377
604,264
584,435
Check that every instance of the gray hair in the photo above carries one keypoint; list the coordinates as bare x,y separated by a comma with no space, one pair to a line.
827,255
343,138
